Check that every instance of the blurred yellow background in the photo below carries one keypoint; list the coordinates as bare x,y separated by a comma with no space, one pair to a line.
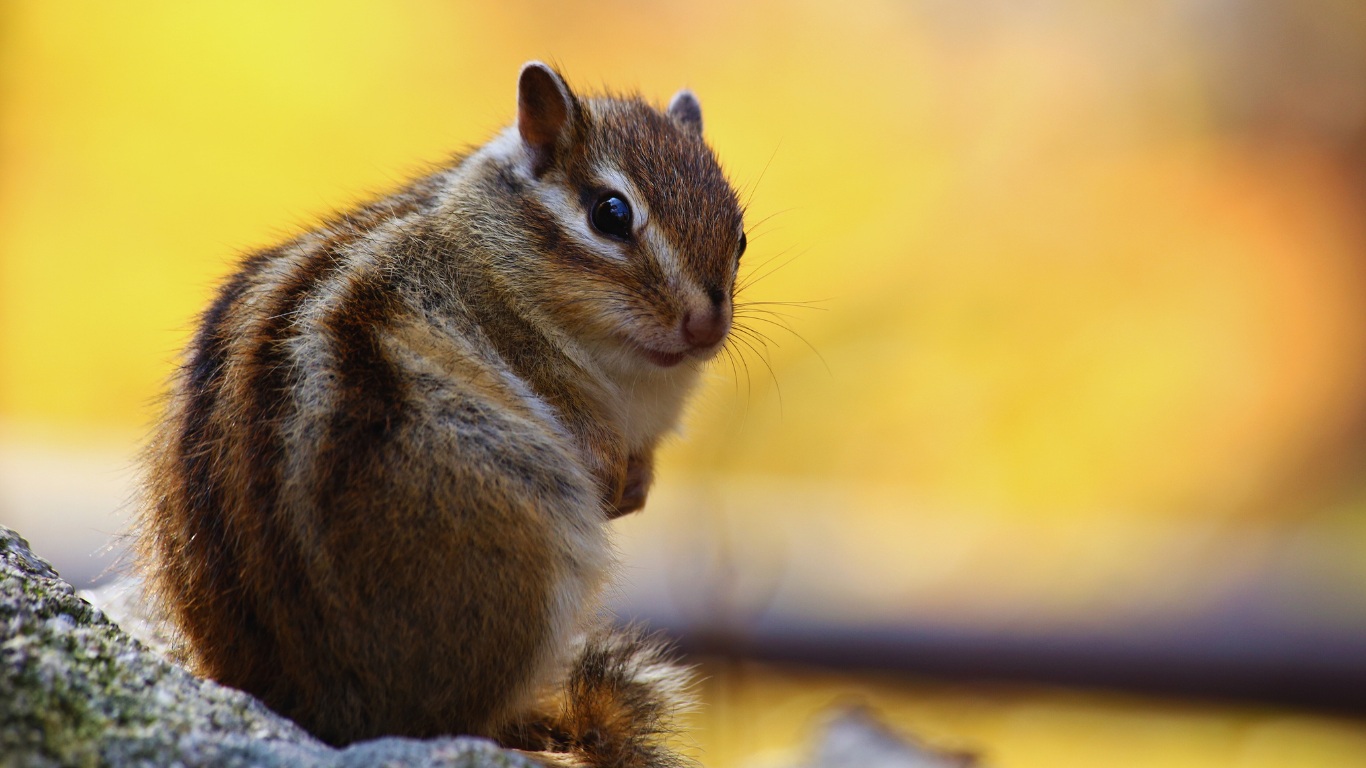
1078,343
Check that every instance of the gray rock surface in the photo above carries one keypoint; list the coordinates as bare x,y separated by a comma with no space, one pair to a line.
75,690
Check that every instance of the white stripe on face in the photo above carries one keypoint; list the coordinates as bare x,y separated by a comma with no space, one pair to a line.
565,206
573,221
657,245
567,211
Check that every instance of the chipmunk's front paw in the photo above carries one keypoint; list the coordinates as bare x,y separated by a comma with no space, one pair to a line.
640,474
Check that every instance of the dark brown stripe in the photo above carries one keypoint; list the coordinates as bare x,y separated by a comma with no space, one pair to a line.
204,565
270,375
544,230
368,409
210,343
508,183
199,439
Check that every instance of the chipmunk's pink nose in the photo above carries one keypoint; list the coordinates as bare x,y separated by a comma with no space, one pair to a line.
705,326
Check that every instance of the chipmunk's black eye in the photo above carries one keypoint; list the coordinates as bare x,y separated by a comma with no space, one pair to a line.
612,215
744,243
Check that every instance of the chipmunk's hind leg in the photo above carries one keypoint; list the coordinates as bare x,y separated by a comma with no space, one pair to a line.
617,709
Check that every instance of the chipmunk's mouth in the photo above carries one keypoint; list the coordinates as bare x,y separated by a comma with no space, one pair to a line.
665,359
661,358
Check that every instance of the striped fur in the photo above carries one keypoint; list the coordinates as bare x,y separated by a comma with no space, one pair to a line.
378,499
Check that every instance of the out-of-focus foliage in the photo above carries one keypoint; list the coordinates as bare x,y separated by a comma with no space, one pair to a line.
1049,277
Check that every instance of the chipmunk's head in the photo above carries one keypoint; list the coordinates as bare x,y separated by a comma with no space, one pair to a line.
638,229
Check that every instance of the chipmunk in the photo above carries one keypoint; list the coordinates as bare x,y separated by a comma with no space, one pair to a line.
379,498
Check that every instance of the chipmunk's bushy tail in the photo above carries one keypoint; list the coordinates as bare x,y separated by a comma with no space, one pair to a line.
617,709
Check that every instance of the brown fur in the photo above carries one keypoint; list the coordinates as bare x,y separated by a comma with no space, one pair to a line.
379,496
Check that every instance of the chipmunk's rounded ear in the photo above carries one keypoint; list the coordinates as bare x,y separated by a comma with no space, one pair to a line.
544,107
685,109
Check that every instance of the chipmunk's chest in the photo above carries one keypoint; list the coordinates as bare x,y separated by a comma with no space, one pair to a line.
650,407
